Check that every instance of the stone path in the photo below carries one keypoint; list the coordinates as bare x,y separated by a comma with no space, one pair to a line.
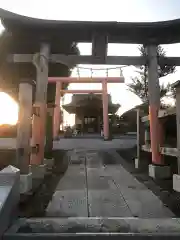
91,189
83,143
94,143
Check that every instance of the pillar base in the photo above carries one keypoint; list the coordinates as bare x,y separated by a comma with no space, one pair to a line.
108,139
140,164
9,195
159,172
49,162
56,138
9,175
176,182
137,163
38,171
25,183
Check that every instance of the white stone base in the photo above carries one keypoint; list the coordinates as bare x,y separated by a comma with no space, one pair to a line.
159,172
38,171
137,163
9,175
176,182
25,183
49,162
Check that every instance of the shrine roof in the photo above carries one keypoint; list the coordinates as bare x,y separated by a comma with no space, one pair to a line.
84,102
82,31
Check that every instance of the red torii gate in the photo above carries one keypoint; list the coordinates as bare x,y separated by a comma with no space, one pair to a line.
59,91
38,136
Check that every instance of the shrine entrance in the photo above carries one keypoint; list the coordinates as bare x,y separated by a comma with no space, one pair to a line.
89,124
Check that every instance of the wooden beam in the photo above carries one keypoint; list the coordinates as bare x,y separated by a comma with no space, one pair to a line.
170,61
80,91
71,60
86,79
168,151
162,113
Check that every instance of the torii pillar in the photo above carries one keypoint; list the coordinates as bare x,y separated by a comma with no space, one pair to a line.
105,110
24,135
48,154
24,126
176,177
39,119
57,112
157,169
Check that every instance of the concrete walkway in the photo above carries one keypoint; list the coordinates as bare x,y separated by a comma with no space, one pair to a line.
94,187
94,143
85,143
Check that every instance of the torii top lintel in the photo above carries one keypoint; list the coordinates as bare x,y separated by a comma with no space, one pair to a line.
164,32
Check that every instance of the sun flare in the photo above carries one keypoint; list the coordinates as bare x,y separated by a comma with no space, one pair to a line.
8,110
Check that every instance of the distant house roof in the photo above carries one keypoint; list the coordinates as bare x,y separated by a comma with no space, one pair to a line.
142,108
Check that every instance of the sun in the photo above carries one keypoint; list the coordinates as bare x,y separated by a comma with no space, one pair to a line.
8,110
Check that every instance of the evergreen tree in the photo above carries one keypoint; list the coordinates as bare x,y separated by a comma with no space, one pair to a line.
139,85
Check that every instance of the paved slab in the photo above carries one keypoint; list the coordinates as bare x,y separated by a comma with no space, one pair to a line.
70,197
107,204
103,198
141,201
83,143
90,188
68,144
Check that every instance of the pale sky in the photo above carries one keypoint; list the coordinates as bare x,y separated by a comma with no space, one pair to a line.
97,10
100,10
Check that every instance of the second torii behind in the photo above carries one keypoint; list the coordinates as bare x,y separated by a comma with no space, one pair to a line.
59,90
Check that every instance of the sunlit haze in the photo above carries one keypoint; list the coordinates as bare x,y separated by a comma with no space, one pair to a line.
8,110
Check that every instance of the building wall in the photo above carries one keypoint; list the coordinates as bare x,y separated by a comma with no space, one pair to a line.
78,120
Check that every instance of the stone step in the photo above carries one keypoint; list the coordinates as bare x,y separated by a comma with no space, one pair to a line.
94,225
